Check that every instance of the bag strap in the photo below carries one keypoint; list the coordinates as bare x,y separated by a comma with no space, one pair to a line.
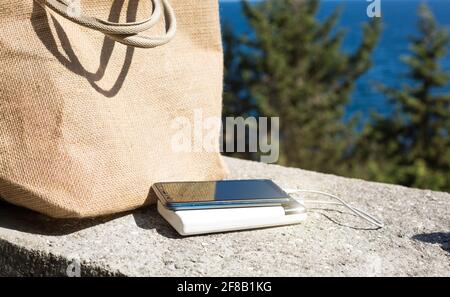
125,33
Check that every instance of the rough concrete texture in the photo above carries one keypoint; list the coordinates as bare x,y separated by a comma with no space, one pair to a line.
332,242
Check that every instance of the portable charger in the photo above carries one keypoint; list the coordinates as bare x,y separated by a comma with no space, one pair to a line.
219,206
201,221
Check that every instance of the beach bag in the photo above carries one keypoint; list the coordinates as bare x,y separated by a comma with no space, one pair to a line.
92,94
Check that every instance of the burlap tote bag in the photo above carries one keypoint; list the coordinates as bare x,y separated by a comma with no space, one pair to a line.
90,95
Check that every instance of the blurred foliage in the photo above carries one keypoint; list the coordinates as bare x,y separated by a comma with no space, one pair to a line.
412,147
293,67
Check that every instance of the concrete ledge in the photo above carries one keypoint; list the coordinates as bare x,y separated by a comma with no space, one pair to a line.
332,242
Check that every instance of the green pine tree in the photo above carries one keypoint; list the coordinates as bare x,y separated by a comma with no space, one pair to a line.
412,147
293,67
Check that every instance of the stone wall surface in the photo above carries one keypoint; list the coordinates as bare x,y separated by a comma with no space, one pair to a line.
331,242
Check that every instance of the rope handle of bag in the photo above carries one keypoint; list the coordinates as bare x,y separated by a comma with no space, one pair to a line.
125,33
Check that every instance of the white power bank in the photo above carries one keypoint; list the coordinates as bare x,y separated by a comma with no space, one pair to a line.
201,221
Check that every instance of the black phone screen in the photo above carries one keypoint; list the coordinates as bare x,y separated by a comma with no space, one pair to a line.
226,190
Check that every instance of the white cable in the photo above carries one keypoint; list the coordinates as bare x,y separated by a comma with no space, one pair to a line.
362,214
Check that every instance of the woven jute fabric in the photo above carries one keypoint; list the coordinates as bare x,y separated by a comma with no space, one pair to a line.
86,123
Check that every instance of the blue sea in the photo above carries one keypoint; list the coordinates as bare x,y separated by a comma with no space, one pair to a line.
399,19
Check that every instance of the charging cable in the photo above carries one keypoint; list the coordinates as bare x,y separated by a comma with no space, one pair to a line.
362,214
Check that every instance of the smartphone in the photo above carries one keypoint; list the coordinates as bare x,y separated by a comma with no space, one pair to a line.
220,194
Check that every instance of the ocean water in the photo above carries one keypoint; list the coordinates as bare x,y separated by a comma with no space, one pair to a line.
399,19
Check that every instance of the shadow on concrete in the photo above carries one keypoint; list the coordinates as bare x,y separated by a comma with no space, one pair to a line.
442,238
148,218
24,220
